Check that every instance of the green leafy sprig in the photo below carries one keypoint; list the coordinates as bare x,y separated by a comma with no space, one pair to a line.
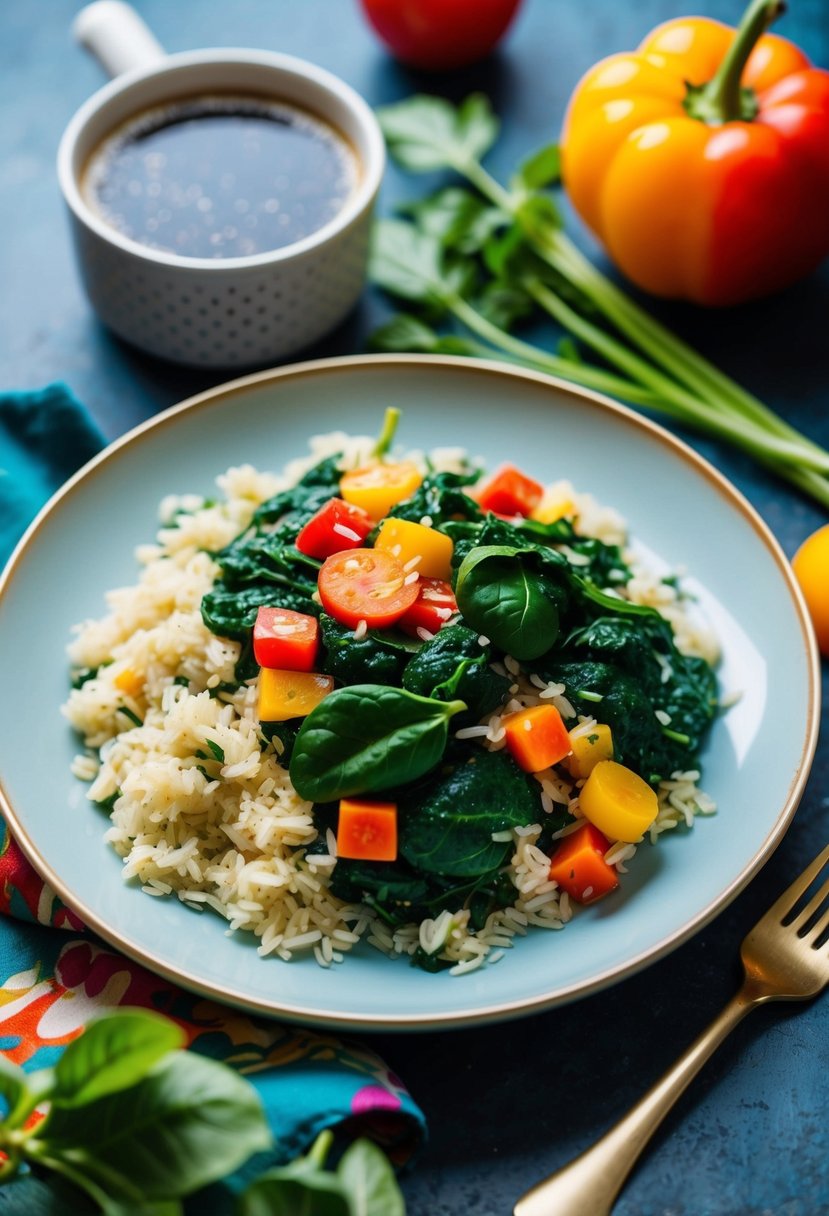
137,1124
490,256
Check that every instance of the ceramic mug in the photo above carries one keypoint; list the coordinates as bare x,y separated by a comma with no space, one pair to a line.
231,312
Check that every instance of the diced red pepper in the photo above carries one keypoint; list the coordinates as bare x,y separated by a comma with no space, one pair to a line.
510,492
338,525
579,867
434,605
285,639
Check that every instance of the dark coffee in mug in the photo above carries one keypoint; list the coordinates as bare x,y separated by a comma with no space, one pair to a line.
220,176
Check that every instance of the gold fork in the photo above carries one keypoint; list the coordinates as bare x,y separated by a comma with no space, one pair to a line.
784,959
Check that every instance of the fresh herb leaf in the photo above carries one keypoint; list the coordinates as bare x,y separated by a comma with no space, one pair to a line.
407,333
459,219
428,133
216,751
368,1180
368,737
411,264
542,168
113,1053
134,718
189,1121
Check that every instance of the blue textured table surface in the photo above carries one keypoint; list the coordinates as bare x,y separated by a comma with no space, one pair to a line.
506,1104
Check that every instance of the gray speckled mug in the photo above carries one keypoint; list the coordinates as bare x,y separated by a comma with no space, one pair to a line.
228,312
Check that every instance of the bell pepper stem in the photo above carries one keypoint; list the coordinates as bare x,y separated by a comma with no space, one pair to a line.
722,99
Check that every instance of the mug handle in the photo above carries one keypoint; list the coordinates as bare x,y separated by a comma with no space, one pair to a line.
118,38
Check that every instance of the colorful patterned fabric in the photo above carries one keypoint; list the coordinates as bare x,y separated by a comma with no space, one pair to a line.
52,982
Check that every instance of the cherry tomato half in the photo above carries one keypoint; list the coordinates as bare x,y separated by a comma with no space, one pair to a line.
365,585
434,605
285,639
336,526
440,34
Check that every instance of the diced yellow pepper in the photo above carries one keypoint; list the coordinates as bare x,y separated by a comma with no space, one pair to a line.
588,750
377,487
406,541
618,802
129,681
554,505
290,694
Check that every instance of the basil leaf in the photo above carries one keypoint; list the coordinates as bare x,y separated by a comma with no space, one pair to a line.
369,1181
188,1122
542,168
113,1053
368,737
313,1192
500,596
428,133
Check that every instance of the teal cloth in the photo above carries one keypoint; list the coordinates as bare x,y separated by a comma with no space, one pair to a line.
50,966
44,437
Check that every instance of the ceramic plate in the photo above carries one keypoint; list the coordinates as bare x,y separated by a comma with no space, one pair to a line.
677,505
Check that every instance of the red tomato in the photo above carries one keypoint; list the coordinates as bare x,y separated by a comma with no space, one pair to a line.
365,585
510,492
336,526
434,605
440,34
285,639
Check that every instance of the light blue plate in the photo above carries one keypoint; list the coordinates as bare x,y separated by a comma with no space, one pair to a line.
676,504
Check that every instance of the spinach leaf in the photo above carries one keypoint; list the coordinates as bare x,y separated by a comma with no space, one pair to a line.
368,1179
446,824
375,658
504,599
437,662
368,737
113,1053
188,1122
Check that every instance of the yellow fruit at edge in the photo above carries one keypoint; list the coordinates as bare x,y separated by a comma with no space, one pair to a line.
811,568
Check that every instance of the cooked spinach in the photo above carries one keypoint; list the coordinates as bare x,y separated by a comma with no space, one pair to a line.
440,497
453,665
446,823
368,737
378,657
318,485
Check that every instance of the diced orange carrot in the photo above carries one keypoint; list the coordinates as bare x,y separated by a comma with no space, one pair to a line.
367,831
536,737
579,867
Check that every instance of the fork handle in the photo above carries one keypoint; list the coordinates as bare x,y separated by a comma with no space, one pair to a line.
589,1185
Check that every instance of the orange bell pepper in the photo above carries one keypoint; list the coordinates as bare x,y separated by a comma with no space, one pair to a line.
702,160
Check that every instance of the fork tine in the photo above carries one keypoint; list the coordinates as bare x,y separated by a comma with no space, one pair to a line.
813,906
790,896
818,929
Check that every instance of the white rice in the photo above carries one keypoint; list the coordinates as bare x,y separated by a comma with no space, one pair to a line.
202,808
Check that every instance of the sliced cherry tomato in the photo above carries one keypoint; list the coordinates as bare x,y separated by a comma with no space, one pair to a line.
510,492
365,585
377,487
434,605
336,526
440,34
285,639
